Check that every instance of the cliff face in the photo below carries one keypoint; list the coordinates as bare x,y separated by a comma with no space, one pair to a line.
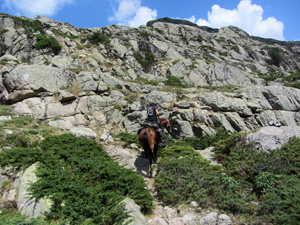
105,77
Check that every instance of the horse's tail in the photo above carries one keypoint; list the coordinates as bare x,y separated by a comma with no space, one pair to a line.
146,142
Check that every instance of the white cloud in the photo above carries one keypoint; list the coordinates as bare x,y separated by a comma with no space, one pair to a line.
191,19
130,12
32,8
246,16
142,16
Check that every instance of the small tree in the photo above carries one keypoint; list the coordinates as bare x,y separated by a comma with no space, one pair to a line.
275,55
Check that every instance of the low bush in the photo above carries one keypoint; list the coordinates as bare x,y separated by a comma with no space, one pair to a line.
44,41
258,185
98,38
80,179
276,56
145,58
191,178
173,81
30,26
203,142
128,138
177,151
10,217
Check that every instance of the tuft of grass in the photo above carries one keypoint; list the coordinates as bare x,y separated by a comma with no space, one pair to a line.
75,88
128,138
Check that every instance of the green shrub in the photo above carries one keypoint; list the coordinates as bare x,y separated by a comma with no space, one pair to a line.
225,54
83,183
275,54
98,38
173,81
44,41
235,48
9,217
30,26
179,180
191,178
294,85
282,202
265,181
289,155
254,183
206,141
3,31
5,110
146,34
293,77
146,59
141,80
128,138
273,176
177,151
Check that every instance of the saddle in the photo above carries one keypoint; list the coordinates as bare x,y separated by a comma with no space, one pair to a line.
156,127
149,124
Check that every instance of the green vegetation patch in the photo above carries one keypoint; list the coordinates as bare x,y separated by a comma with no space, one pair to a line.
203,142
276,56
30,26
44,41
256,185
83,183
146,59
97,38
10,217
173,81
128,138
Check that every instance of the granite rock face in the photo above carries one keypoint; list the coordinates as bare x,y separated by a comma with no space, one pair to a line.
97,84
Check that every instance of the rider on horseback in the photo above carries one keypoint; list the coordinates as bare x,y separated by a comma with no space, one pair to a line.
153,117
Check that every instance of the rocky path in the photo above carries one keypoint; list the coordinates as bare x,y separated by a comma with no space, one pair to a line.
132,157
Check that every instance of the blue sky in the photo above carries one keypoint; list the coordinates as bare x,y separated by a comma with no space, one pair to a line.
276,19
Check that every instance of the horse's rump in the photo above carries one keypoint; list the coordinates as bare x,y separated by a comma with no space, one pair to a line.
148,139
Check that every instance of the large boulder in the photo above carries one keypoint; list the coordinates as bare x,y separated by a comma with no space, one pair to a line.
135,215
220,102
31,80
161,99
25,202
275,97
271,138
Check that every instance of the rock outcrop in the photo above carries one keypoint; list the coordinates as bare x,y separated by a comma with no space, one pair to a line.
99,78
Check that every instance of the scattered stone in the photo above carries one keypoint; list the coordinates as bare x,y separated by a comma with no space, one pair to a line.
224,220
135,215
6,148
157,221
194,204
210,219
5,118
61,124
178,221
106,137
84,132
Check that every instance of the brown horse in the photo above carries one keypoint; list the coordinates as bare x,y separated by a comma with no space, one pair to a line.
149,141
166,123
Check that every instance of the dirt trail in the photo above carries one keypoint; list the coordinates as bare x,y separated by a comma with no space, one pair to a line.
134,158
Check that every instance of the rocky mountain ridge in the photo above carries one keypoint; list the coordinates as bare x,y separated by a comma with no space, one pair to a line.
104,76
